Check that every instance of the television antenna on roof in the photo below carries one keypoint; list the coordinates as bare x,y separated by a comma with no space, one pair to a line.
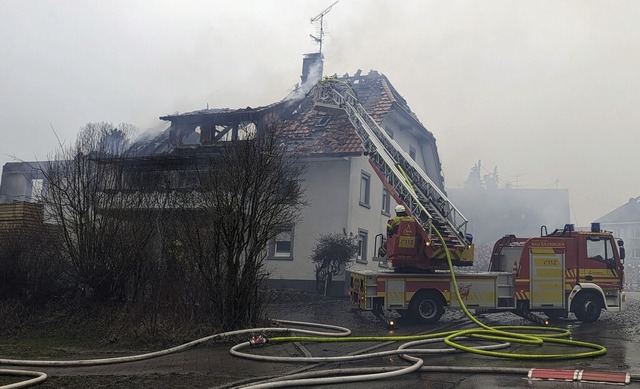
320,17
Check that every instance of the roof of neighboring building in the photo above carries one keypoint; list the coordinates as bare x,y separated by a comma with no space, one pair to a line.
305,128
627,213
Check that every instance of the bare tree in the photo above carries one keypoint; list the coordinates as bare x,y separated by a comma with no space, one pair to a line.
85,196
247,194
332,256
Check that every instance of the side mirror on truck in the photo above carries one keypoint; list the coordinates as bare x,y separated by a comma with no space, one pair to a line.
621,246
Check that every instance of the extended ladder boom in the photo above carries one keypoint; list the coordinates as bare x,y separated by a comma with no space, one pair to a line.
426,202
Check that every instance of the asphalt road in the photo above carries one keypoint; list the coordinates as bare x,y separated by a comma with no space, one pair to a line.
619,332
212,366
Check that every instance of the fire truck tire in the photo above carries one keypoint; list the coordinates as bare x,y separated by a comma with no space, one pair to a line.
587,307
426,307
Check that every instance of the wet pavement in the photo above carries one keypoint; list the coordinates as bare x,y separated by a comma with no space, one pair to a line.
618,332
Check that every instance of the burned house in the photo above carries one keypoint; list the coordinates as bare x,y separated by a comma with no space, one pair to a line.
343,191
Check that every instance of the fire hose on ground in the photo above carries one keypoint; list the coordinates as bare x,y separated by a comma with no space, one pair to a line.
502,337
503,334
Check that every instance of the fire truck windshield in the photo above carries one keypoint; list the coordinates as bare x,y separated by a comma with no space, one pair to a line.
600,249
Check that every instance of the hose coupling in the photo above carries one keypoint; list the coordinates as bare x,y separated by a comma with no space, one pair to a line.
259,340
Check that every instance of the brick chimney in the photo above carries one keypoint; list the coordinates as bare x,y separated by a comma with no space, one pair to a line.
312,65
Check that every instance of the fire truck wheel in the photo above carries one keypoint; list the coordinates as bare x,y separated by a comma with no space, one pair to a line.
587,307
426,307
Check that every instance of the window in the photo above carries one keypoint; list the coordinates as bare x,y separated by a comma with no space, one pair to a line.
362,245
365,186
599,249
36,189
281,246
386,202
412,152
635,253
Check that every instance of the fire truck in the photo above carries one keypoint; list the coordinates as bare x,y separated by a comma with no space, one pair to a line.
565,271
556,273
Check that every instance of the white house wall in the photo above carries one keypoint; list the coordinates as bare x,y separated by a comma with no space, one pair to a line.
327,188
431,161
370,219
425,146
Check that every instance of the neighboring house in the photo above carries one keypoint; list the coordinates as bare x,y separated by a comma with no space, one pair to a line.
624,222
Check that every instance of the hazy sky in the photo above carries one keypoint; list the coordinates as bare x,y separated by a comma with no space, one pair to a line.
547,91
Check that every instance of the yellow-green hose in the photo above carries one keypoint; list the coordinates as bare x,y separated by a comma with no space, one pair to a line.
512,336
501,334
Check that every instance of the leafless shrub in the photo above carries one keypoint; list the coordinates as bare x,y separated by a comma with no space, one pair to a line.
172,245
247,194
332,255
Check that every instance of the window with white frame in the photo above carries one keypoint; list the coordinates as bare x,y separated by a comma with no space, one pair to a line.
363,238
36,189
365,189
386,202
281,246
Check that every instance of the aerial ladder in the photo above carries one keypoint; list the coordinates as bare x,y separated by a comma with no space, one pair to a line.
407,183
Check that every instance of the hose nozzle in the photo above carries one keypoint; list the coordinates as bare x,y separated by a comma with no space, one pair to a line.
259,340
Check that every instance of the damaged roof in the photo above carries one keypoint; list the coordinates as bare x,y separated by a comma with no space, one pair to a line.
303,127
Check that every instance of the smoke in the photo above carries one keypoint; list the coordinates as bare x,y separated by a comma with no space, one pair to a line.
312,68
152,132
493,213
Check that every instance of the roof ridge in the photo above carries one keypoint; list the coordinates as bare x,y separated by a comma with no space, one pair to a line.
385,86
